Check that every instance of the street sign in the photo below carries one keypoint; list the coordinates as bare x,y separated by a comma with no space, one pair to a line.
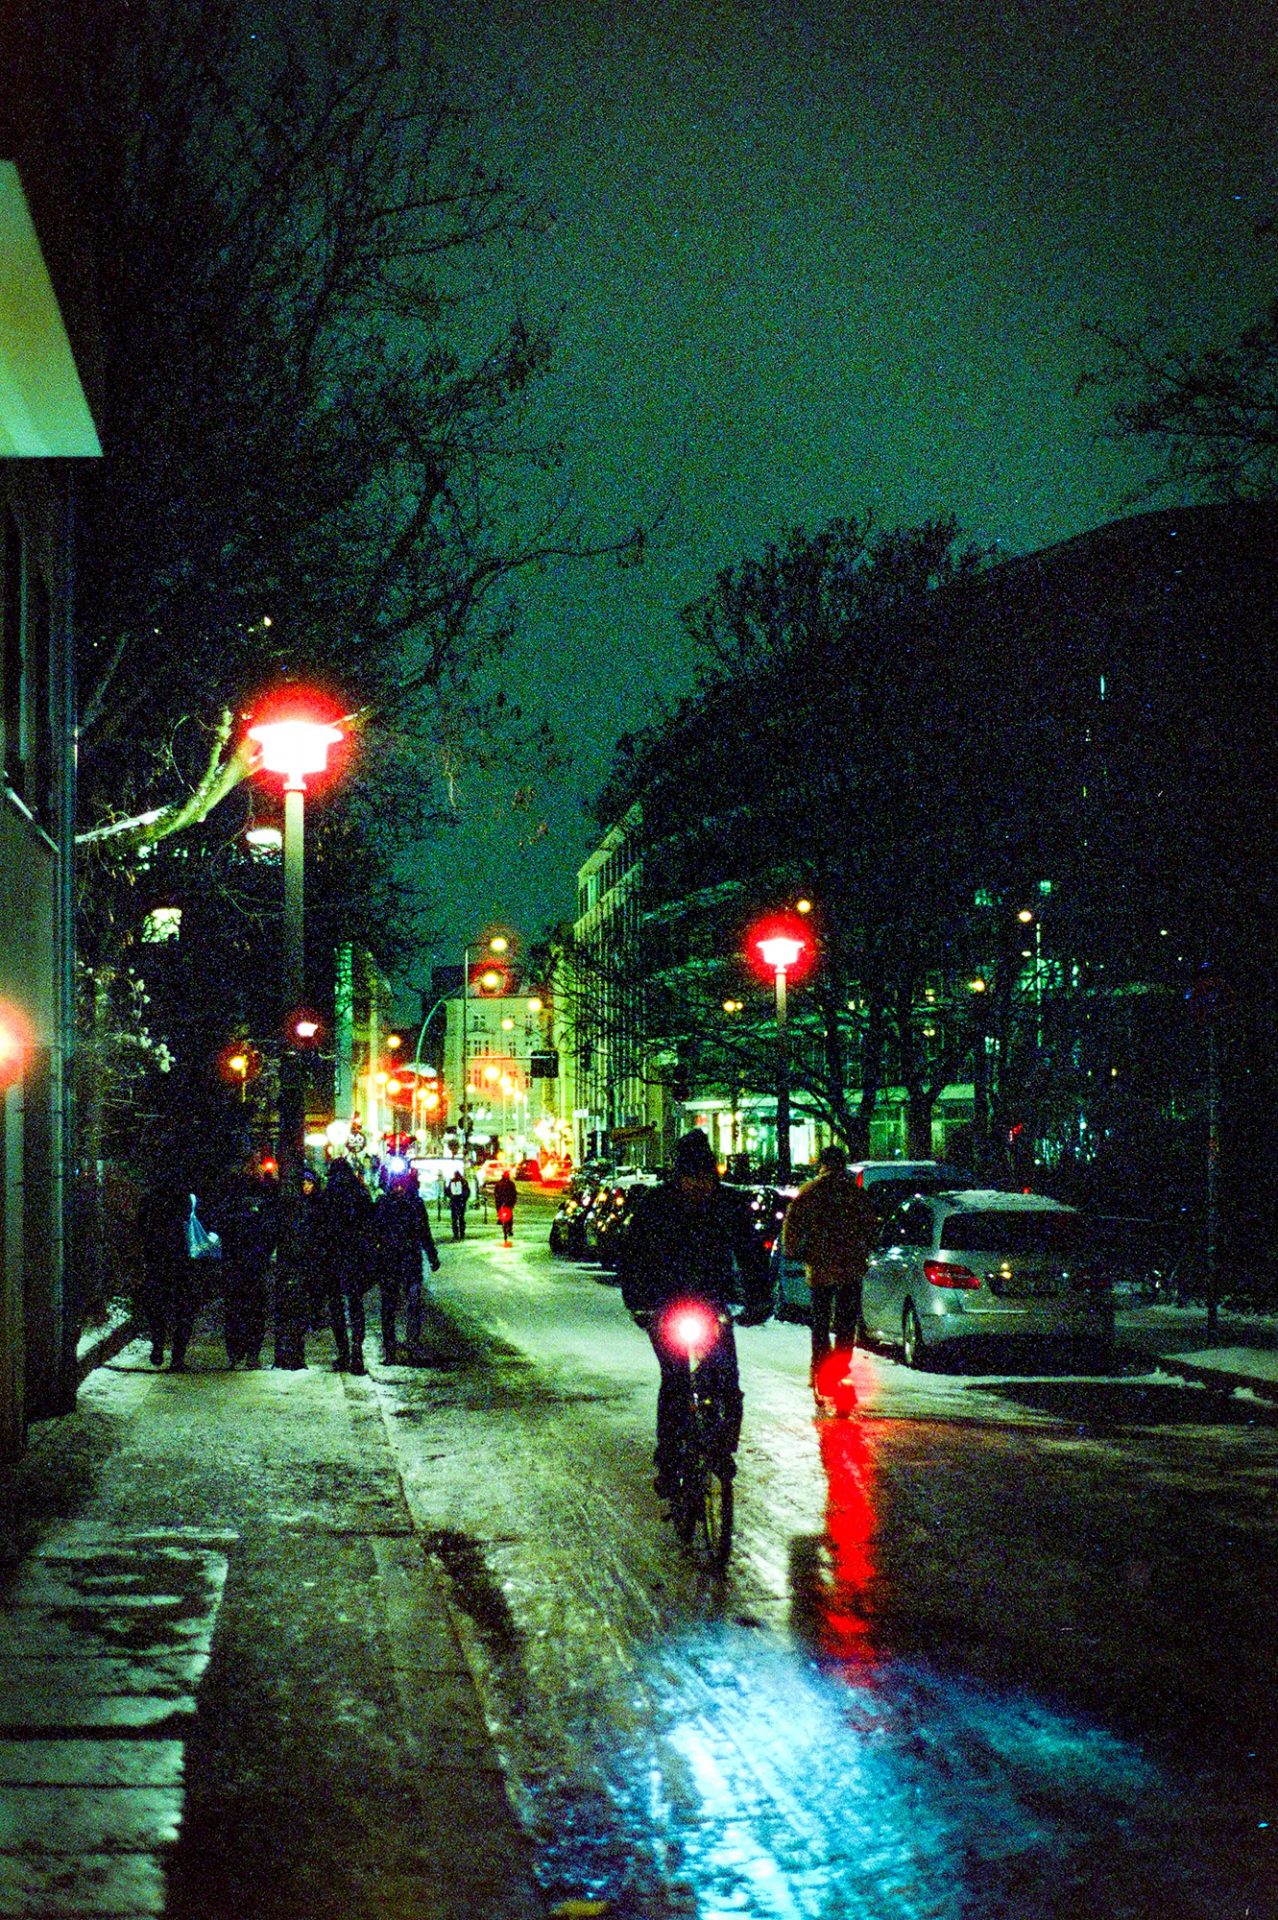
543,1066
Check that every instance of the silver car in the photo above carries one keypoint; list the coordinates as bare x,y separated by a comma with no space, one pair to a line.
887,1182
972,1264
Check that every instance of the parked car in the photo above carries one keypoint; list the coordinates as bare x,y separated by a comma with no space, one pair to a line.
974,1264
888,1182
609,1198
756,1208
567,1229
528,1170
612,1219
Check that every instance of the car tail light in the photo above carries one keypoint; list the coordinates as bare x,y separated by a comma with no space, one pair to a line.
942,1275
768,1245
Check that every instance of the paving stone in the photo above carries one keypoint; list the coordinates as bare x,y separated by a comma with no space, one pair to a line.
169,1676
95,1762
102,1884
78,1820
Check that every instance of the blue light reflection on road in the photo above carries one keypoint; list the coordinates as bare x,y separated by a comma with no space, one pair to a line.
824,1776
779,1789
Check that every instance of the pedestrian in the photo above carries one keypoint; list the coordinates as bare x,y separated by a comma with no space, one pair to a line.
343,1250
401,1234
295,1260
248,1224
505,1195
169,1293
687,1243
831,1226
457,1193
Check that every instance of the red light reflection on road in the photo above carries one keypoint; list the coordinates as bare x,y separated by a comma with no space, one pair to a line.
841,1604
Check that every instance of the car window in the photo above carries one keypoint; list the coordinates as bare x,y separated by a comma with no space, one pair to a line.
909,1226
889,1193
998,1232
916,1225
890,1236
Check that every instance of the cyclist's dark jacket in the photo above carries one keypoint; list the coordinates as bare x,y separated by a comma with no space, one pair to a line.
683,1246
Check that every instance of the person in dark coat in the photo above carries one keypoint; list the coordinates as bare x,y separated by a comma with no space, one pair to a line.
457,1194
505,1194
401,1234
686,1243
831,1226
248,1224
343,1248
169,1293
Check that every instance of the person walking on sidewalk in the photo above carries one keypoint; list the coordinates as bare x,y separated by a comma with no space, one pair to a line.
168,1272
343,1245
457,1193
401,1234
248,1225
505,1195
831,1226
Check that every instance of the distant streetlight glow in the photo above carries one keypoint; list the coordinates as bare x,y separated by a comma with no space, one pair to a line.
17,1041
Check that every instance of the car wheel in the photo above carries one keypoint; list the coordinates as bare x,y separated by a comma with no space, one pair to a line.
915,1352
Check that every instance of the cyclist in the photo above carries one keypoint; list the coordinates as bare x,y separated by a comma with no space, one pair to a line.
686,1244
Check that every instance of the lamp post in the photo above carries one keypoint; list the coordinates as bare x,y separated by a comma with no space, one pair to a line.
497,944
785,949
293,740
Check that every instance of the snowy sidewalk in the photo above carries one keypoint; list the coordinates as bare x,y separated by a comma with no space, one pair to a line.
229,1680
1244,1353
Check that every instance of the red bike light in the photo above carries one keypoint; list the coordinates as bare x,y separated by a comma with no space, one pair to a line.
690,1328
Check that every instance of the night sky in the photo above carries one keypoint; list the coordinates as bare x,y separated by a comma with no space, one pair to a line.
820,260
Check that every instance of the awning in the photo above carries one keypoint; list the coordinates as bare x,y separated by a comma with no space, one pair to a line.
43,411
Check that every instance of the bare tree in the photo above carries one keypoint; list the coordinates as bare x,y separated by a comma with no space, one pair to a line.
319,454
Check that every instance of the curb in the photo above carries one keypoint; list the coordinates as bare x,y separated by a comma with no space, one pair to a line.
101,1344
1220,1377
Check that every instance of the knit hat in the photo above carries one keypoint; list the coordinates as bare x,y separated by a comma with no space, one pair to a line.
694,1156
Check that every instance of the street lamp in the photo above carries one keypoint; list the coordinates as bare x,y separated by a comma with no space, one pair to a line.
294,739
785,947
492,979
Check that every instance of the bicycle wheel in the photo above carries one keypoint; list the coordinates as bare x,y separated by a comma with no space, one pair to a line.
685,1507
716,1513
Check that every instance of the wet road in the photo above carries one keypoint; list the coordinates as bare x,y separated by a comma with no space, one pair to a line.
996,1647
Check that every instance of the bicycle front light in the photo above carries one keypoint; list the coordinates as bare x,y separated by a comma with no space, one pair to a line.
690,1327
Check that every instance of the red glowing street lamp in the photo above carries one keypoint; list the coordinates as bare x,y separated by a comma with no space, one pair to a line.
294,734
785,949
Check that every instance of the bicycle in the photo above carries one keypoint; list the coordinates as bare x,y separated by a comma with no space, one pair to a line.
704,1462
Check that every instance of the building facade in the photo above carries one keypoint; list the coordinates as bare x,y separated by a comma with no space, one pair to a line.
45,425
